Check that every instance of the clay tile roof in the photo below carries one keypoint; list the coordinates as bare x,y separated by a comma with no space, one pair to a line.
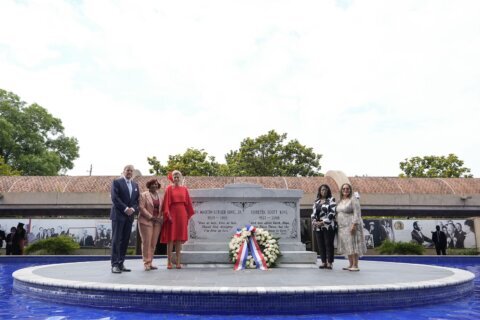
7,182
266,182
207,182
374,185
424,186
39,184
416,185
89,184
309,185
464,186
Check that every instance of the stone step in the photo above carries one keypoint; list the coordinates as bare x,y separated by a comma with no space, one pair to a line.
298,257
222,246
211,257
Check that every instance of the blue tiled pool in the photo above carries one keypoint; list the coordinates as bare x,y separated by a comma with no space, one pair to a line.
15,305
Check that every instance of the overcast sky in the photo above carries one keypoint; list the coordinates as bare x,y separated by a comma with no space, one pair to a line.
365,83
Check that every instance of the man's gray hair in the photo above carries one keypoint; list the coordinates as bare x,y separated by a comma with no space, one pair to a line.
128,166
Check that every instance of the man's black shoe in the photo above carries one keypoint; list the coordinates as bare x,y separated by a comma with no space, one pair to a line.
123,269
116,269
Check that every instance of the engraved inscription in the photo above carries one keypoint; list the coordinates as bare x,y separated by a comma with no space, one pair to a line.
218,220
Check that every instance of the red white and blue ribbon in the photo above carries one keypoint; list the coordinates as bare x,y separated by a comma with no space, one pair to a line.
249,245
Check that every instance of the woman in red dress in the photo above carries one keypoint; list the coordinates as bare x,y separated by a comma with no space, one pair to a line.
177,210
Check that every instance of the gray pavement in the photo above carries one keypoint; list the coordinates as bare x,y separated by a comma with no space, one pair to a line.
373,273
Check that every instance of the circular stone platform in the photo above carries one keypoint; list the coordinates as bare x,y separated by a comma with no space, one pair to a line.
217,289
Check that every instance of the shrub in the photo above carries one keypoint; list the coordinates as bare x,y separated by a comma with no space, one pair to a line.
389,247
54,245
463,252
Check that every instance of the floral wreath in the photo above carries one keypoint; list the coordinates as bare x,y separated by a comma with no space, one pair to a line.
252,247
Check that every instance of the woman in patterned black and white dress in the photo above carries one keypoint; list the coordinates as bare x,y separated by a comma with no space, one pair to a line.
323,222
351,241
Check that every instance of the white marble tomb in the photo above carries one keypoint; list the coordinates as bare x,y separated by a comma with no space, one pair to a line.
219,212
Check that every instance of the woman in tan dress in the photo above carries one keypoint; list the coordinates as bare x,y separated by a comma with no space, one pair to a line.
150,221
351,241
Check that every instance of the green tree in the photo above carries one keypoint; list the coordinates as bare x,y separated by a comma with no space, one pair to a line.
434,167
6,170
32,141
157,168
269,155
193,162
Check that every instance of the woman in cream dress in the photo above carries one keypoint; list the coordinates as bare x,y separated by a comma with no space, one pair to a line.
351,241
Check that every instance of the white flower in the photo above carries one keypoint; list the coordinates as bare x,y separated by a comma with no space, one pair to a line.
269,245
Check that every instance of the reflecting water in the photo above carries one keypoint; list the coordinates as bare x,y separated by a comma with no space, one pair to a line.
19,306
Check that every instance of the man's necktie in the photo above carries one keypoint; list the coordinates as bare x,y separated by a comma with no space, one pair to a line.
129,185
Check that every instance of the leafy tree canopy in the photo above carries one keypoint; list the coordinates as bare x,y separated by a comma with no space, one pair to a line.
266,155
32,141
193,162
157,168
434,167
6,170
270,155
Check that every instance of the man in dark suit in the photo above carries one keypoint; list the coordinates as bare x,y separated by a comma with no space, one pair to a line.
86,240
2,237
125,196
418,236
440,240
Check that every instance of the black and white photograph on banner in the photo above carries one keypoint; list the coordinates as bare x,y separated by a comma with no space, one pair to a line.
460,233
7,224
3,236
86,232
368,236
376,231
104,234
44,229
133,235
84,236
